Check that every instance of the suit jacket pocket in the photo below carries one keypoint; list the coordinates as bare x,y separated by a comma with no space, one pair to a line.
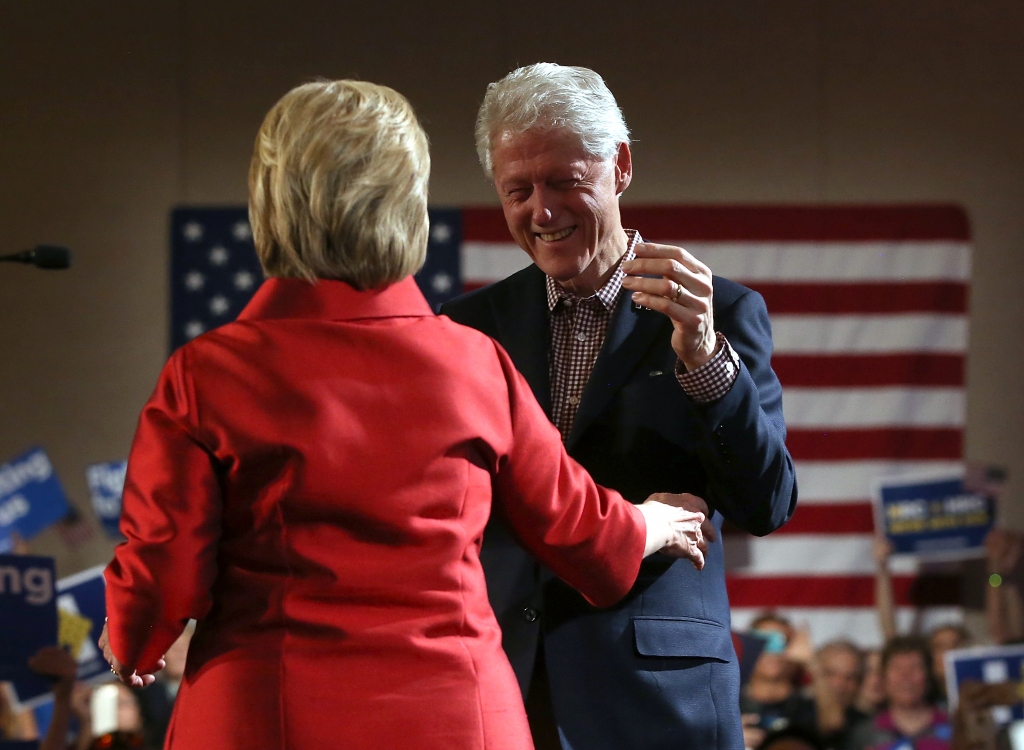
682,637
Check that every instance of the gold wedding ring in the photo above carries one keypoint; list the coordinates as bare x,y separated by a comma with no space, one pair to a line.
679,291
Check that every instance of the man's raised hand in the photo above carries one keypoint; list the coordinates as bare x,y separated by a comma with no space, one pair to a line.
683,293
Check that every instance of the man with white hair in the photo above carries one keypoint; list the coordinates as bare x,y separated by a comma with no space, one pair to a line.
673,393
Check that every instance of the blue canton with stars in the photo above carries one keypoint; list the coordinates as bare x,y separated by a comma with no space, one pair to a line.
215,272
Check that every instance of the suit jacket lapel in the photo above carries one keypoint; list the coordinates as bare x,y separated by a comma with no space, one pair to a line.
521,314
630,333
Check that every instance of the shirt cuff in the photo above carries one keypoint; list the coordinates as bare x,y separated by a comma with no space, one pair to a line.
714,378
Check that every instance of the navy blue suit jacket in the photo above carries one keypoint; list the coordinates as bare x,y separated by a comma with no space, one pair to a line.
658,670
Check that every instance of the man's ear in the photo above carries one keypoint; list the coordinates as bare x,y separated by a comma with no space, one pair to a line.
623,168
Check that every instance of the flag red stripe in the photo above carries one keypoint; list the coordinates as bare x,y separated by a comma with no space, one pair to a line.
766,592
863,299
768,223
899,443
484,224
832,518
854,517
837,371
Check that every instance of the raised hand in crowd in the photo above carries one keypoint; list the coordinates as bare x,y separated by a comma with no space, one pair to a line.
973,726
1004,605
884,600
81,707
60,666
753,734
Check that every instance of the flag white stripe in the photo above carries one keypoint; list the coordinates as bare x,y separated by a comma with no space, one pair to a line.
834,261
864,334
895,262
874,407
858,624
823,482
484,262
807,554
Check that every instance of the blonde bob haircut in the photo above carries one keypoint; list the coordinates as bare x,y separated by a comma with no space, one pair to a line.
338,185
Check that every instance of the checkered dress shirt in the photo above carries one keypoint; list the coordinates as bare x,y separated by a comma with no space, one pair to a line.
578,329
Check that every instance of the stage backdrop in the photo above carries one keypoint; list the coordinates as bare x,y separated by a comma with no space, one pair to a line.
869,317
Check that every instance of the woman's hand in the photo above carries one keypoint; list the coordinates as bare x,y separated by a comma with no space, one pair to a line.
125,674
674,529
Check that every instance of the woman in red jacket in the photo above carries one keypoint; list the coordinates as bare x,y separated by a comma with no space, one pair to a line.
311,482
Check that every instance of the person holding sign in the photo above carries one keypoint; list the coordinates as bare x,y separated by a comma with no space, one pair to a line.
312,481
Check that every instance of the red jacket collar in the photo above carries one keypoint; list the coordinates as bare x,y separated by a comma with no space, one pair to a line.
334,300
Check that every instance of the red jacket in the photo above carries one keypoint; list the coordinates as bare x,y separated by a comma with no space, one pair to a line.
311,483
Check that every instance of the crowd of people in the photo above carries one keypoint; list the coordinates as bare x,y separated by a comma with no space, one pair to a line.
137,720
840,696
843,697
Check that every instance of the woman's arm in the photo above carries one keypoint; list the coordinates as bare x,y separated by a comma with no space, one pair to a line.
162,575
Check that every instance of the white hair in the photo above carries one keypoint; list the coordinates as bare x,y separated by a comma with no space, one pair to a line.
546,96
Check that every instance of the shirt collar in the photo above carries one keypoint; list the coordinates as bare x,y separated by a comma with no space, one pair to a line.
334,300
607,294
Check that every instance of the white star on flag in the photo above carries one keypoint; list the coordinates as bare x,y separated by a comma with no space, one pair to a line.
244,280
193,231
219,305
441,282
241,231
194,281
219,256
193,328
441,232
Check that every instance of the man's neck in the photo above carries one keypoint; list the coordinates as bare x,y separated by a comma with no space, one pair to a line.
601,269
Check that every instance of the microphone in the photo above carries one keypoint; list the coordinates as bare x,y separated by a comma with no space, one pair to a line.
42,256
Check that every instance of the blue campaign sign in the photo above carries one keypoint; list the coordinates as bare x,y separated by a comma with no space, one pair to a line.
988,664
31,497
106,483
28,620
934,517
82,606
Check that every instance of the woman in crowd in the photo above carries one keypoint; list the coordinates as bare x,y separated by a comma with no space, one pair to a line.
911,721
312,481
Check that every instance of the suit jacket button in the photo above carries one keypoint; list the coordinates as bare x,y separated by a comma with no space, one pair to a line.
530,614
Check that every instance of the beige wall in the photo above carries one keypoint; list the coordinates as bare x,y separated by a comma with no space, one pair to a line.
112,113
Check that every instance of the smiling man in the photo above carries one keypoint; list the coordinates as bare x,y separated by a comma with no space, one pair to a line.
673,393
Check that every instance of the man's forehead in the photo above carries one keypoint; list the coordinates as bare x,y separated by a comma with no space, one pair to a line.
541,139
515,155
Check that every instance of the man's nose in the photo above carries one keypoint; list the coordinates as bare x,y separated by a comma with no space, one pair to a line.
543,209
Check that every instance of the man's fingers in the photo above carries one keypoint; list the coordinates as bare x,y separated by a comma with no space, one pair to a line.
682,500
646,250
674,291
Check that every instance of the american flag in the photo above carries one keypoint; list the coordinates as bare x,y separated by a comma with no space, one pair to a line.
869,315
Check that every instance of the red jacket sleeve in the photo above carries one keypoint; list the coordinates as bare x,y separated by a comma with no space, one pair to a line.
162,575
586,534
